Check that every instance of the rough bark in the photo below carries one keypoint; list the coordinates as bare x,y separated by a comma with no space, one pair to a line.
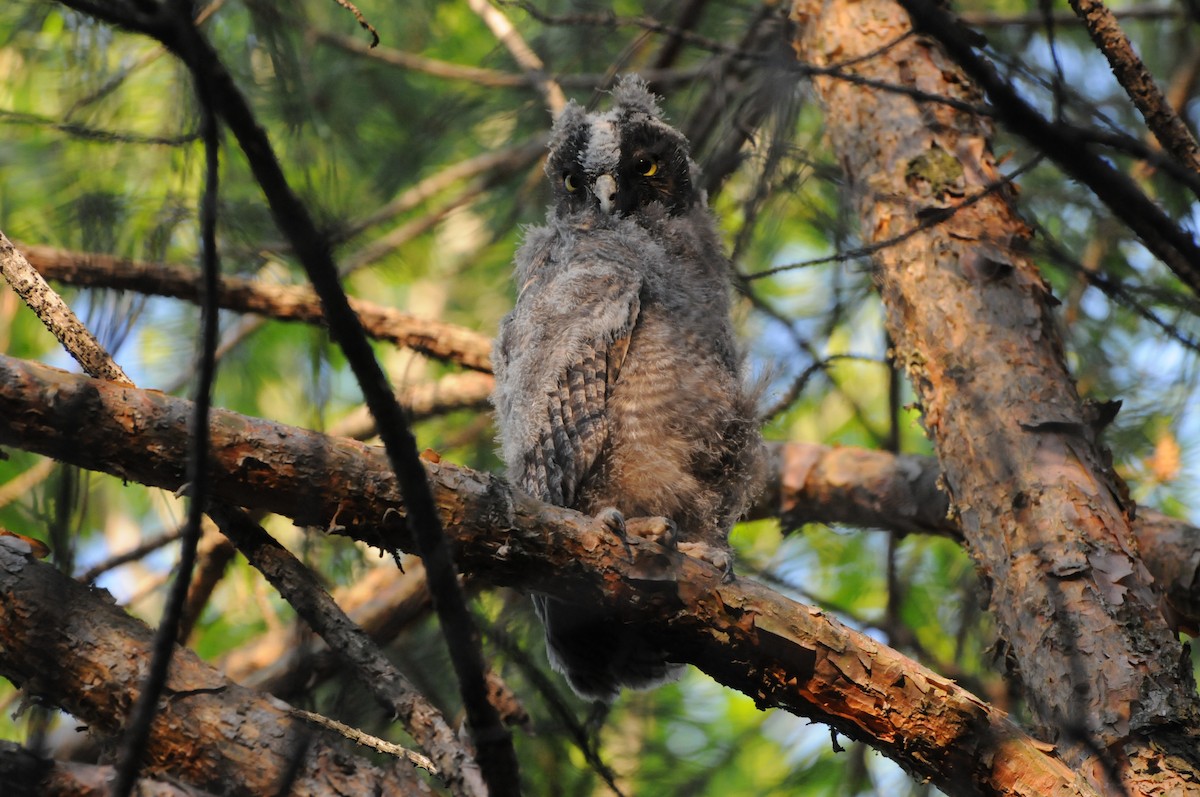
1041,510
746,636
72,646
1168,127
24,774
864,488
55,315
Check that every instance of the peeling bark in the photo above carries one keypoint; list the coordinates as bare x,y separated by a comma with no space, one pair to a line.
748,637
74,647
23,774
1042,512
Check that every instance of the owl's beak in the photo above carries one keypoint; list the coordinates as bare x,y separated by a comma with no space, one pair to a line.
605,189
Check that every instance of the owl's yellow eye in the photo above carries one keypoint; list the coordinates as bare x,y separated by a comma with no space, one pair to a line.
647,168
570,183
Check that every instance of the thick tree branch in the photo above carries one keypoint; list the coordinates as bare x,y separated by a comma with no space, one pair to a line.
973,326
25,774
859,487
74,647
744,635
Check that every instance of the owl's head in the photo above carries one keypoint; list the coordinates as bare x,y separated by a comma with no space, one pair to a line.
622,161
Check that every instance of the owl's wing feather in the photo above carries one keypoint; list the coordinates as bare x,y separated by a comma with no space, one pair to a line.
576,411
561,353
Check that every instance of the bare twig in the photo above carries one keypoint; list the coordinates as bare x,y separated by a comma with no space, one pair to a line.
54,313
366,739
362,21
1168,126
142,549
525,57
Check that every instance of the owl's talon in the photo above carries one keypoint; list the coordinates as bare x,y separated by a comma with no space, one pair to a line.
615,521
718,557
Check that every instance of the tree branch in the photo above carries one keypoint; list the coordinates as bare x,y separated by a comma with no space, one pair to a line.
434,338
73,646
972,323
1168,127
1174,246
56,316
744,635
26,774
300,588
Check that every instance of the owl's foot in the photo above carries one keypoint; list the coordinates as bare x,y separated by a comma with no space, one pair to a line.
718,557
660,530
615,521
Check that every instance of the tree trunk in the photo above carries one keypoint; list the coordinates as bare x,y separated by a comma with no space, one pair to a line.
1043,514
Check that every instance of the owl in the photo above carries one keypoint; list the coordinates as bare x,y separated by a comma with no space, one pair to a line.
619,390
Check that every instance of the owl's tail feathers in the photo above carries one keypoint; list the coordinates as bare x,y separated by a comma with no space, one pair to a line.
598,653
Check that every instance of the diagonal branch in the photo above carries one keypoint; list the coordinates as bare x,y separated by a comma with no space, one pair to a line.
72,646
743,634
54,313
1168,127
300,588
493,742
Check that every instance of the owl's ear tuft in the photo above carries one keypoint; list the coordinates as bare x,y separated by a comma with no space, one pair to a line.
632,92
569,120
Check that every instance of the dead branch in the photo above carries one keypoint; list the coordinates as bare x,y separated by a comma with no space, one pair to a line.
1168,126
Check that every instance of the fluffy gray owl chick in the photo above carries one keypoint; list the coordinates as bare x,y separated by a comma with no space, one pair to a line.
618,384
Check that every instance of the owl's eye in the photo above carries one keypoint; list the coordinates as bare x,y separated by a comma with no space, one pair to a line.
570,183
647,168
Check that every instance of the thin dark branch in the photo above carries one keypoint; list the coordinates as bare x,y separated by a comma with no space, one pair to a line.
1112,287
145,548
94,133
927,222
557,703
137,734
987,19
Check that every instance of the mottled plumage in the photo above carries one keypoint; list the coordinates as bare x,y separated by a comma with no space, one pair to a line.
618,383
